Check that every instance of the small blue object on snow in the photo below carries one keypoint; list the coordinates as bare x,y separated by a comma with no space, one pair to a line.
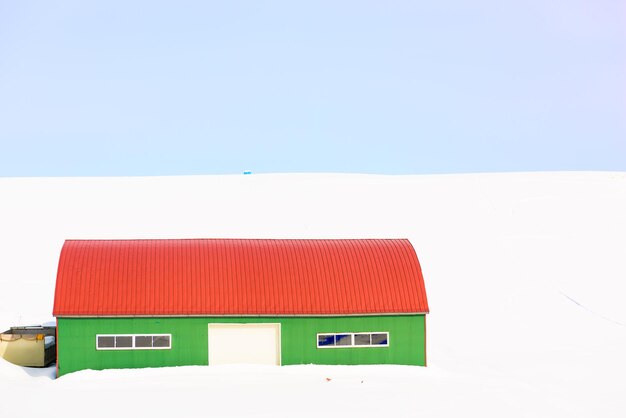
247,172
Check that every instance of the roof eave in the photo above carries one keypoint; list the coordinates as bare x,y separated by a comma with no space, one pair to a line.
243,315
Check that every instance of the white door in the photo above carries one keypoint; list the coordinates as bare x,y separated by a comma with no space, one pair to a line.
244,343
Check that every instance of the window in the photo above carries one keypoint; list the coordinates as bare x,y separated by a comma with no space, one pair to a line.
143,341
106,341
161,341
343,339
362,339
380,338
353,339
134,342
324,340
123,342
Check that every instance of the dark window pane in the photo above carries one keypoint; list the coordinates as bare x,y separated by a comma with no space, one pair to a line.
344,339
379,339
143,342
361,339
325,340
106,342
124,342
161,341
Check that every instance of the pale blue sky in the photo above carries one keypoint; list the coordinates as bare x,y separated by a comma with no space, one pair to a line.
199,87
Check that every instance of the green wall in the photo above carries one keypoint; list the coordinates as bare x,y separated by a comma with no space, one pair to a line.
76,343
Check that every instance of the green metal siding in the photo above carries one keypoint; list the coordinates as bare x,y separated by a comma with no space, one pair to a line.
77,341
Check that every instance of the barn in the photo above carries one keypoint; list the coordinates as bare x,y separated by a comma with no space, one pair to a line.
154,303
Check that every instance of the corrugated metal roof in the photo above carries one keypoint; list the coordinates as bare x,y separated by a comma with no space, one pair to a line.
238,277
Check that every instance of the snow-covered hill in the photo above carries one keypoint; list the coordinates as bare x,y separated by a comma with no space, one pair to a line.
525,273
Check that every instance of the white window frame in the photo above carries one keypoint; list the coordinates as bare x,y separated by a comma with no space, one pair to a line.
352,345
133,346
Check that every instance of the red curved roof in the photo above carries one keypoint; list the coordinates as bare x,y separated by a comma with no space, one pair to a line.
238,277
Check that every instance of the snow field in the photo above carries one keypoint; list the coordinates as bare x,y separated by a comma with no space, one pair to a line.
525,276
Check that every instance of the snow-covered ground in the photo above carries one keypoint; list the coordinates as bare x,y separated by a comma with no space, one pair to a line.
525,273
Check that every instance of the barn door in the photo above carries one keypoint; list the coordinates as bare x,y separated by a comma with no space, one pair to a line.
244,344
